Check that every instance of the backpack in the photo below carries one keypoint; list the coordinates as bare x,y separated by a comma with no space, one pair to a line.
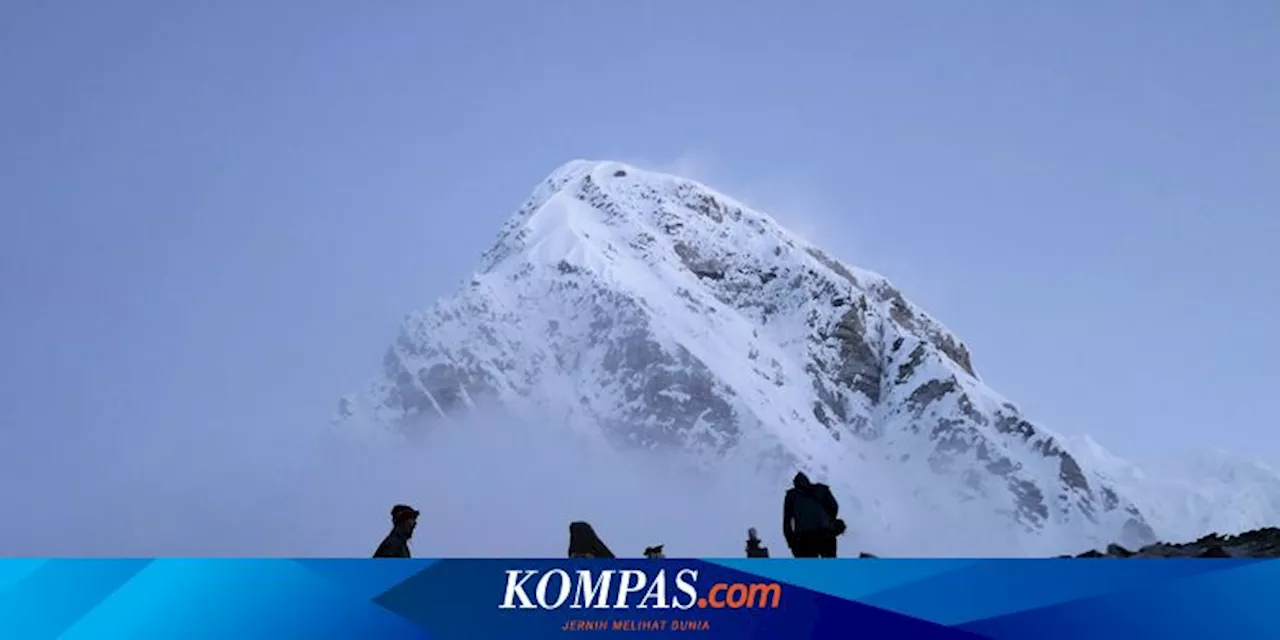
810,514
823,494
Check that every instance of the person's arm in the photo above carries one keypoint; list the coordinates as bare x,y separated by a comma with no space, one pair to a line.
788,531
829,501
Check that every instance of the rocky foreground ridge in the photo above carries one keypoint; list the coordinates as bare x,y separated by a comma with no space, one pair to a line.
1259,543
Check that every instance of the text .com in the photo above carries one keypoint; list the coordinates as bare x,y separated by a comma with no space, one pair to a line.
631,588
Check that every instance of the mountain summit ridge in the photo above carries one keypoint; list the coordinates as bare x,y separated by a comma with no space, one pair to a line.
656,312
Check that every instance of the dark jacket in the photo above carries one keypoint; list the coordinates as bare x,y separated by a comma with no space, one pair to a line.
584,543
803,489
395,545
755,549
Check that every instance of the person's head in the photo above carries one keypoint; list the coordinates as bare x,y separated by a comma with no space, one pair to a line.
751,534
404,518
801,481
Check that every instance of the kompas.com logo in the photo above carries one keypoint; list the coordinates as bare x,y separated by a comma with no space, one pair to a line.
633,588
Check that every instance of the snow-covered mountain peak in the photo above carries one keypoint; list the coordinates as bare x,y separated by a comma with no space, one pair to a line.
628,224
602,206
652,311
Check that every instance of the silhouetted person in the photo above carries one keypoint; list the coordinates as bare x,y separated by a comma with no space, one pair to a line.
584,543
810,521
654,552
754,548
396,545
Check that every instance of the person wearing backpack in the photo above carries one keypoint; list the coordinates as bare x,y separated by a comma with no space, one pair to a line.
810,519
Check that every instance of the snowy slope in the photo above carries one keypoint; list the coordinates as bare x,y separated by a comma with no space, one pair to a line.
1194,495
652,311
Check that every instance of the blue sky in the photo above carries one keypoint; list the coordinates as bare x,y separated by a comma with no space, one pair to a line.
215,214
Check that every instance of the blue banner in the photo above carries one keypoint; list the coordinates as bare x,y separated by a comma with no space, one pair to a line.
490,599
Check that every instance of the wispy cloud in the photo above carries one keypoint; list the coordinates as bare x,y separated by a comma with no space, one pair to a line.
690,164
795,201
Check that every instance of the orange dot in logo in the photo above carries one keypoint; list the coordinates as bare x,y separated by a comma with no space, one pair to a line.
702,603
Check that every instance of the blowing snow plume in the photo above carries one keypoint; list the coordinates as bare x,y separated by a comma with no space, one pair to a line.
646,312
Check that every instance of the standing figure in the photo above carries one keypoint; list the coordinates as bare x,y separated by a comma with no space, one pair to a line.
584,543
810,521
754,548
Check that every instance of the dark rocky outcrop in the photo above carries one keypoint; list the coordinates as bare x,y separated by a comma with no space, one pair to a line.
1259,543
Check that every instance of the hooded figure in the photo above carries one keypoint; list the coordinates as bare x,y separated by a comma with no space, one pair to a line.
809,519
403,521
584,543
754,548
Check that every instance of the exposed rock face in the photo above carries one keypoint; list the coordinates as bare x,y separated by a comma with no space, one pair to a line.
671,316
